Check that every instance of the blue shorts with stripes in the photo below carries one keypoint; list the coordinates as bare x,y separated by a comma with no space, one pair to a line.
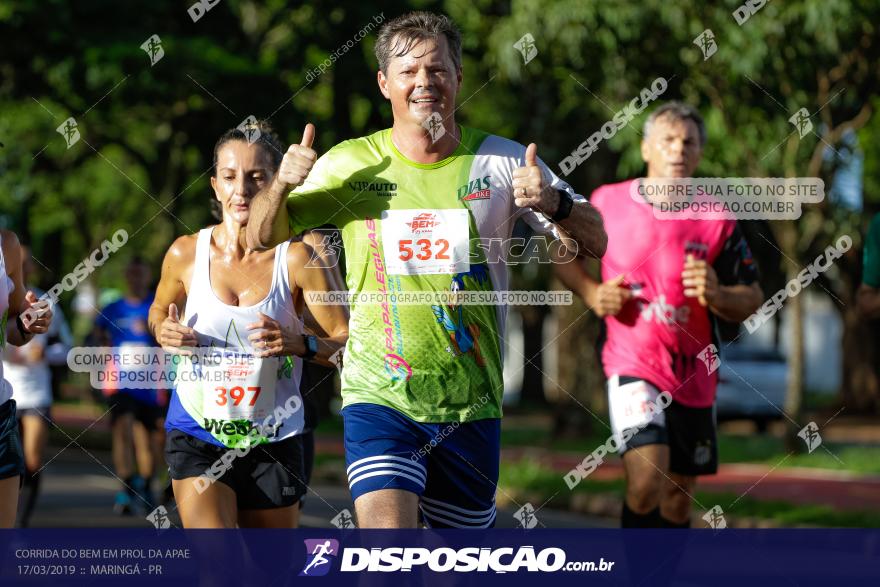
452,466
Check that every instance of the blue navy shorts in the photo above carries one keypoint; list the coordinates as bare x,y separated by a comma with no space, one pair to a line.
452,466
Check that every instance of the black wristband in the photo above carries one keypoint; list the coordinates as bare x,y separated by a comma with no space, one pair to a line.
565,204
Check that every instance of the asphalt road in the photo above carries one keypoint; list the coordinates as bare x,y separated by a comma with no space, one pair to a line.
78,489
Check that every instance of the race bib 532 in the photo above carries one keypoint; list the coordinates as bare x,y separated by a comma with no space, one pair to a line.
421,242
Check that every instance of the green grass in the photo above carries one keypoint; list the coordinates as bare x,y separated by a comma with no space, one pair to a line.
332,425
858,459
531,476
762,449
788,514
324,459
542,484
749,449
771,451
541,438
820,400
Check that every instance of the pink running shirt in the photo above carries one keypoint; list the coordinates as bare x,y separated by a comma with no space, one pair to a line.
659,334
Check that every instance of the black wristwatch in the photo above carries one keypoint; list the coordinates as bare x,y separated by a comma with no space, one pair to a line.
565,204
311,342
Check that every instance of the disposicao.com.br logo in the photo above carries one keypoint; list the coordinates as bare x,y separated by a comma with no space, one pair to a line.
319,555
442,560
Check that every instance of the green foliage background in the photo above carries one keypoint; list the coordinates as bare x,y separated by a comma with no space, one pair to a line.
147,131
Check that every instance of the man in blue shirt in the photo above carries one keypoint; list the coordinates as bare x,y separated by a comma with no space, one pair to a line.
136,414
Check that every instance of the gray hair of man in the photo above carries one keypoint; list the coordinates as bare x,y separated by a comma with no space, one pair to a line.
677,111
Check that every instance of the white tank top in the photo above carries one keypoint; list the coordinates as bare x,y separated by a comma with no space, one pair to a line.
239,393
6,287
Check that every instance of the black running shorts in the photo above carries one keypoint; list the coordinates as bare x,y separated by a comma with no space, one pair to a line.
268,476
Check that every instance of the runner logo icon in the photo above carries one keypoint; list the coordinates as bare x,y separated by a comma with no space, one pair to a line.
319,554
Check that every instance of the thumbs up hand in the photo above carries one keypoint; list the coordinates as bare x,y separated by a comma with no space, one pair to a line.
529,188
297,161
174,335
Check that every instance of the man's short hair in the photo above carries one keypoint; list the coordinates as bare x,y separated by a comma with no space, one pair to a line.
398,36
677,111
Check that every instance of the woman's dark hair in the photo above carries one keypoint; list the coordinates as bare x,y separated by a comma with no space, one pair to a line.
257,132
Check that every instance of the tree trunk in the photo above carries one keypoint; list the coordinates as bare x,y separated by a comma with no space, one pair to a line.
532,392
860,385
795,393
579,381
786,236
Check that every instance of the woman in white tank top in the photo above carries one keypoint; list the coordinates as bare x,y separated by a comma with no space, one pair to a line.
26,370
236,415
18,331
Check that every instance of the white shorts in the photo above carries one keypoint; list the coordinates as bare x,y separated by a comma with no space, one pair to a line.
634,405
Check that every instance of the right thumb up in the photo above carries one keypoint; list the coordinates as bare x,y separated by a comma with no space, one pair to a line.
172,312
308,135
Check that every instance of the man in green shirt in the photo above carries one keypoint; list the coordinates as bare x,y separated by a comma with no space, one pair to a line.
418,206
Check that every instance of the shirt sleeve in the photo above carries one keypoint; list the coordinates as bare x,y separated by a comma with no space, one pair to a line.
538,221
735,264
871,255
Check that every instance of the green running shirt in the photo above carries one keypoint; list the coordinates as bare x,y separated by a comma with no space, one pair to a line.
410,227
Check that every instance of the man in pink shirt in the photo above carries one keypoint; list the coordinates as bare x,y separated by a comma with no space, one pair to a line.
664,282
